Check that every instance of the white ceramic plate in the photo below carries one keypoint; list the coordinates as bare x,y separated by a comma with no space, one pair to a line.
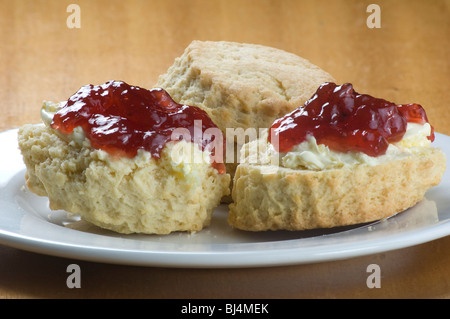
27,223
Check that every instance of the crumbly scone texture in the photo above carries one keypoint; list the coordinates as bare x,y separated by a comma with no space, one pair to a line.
241,85
275,198
139,195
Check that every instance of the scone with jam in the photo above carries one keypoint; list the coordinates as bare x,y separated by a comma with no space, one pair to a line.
127,159
342,158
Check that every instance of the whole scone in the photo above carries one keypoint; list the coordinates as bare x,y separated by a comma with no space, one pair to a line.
176,191
241,86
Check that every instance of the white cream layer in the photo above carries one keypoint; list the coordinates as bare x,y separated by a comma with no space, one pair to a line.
312,156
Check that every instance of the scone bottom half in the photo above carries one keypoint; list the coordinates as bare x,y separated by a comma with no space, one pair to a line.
108,155
341,159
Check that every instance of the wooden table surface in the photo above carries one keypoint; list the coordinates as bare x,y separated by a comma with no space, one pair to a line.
406,60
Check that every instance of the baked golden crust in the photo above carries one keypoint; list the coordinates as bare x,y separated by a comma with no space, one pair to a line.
241,85
274,198
138,195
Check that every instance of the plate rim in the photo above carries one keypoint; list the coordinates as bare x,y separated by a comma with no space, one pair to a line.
198,259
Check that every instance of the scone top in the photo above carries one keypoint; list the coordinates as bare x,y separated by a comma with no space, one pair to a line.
121,119
345,121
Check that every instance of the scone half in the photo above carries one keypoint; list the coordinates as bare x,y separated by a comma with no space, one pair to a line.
273,198
119,167
138,195
343,158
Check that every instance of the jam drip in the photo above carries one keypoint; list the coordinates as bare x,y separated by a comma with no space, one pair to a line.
345,121
121,119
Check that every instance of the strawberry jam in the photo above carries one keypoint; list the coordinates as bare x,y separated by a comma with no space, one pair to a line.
121,119
345,121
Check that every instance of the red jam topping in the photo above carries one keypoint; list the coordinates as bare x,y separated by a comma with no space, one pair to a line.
345,120
121,119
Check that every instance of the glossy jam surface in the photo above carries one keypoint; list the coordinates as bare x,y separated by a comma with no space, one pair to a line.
345,121
121,119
